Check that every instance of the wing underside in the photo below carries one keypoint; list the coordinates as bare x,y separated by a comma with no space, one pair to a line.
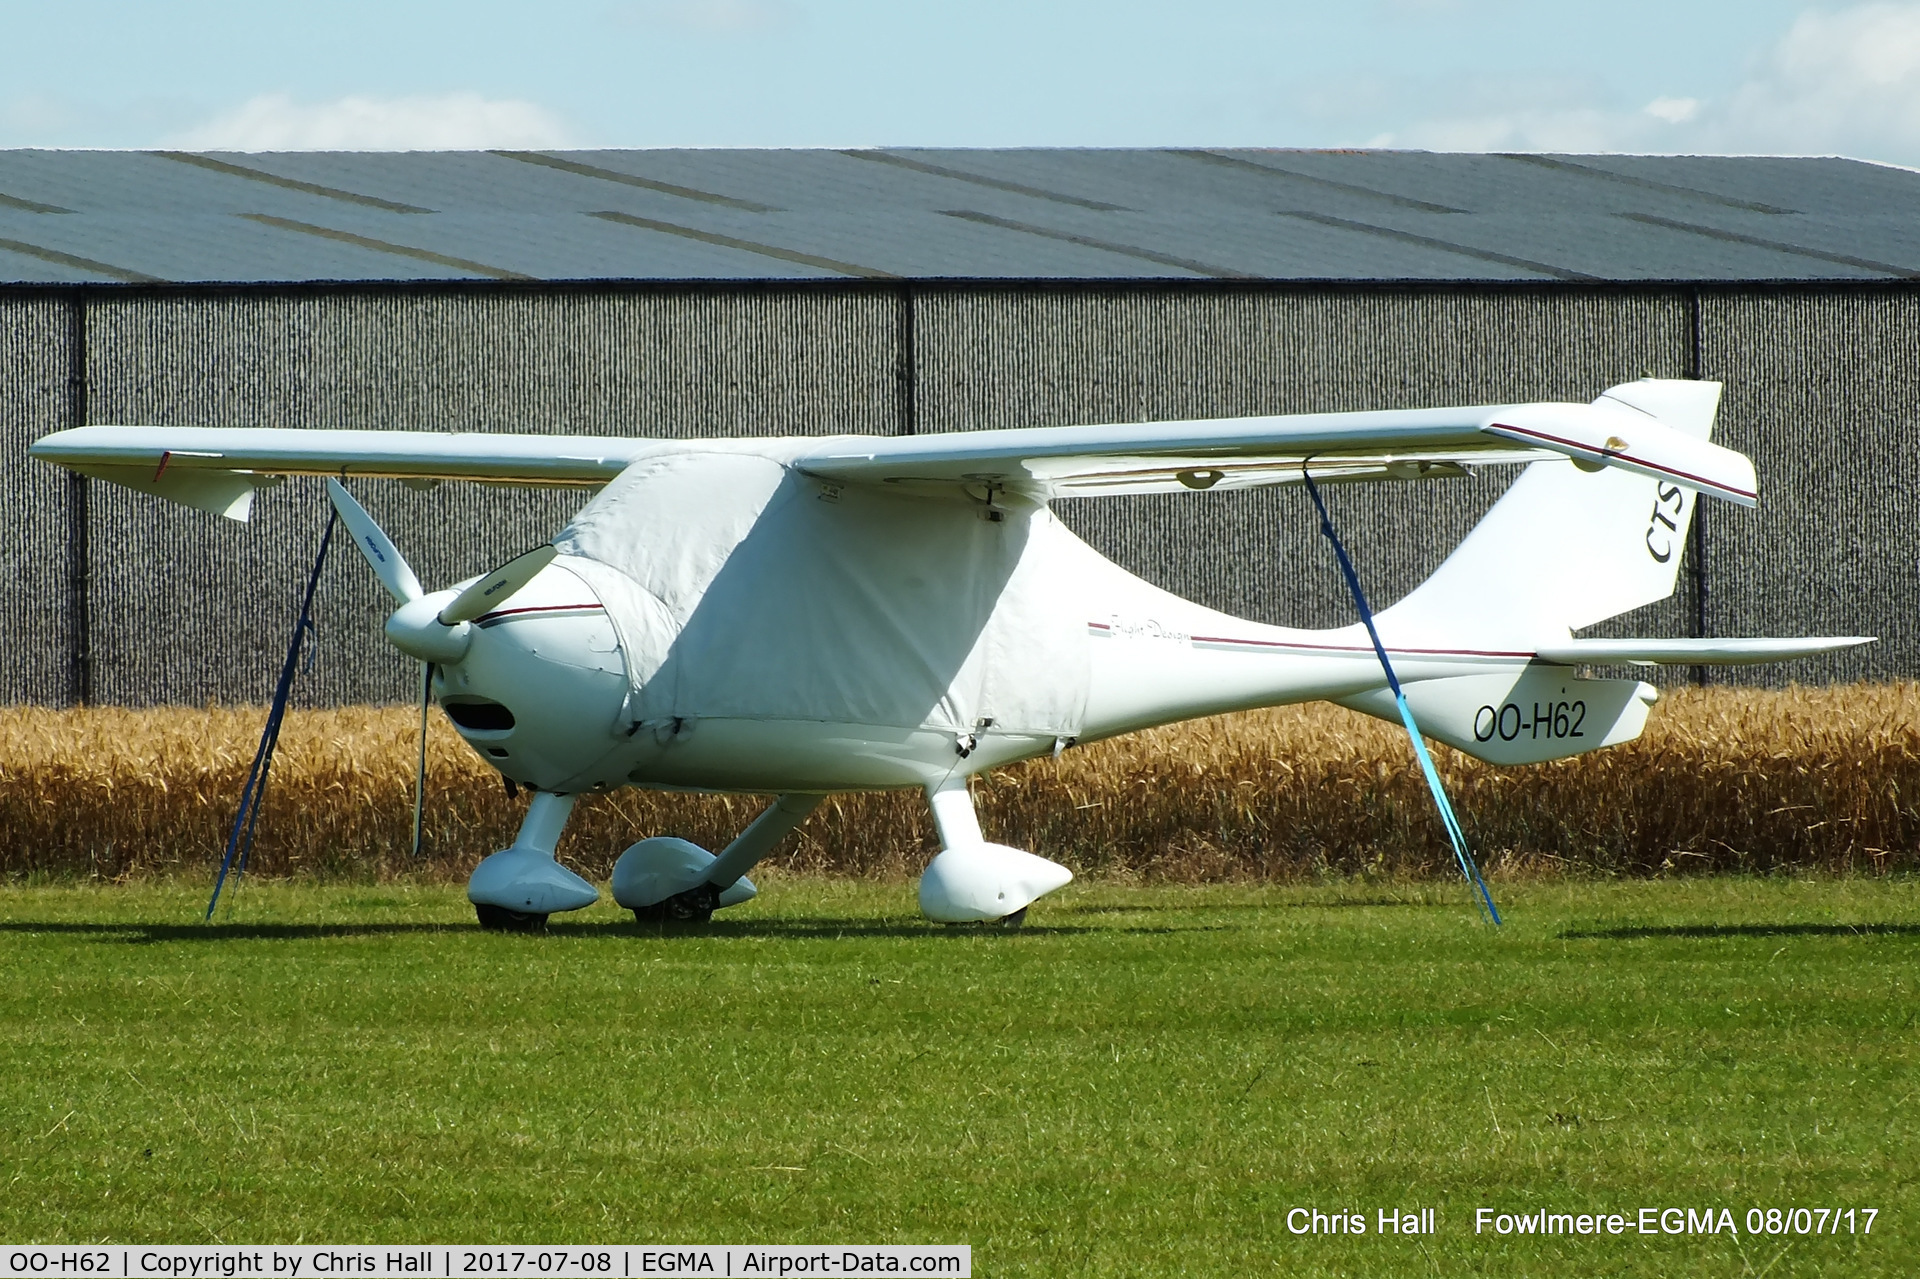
218,469
1113,475
1237,453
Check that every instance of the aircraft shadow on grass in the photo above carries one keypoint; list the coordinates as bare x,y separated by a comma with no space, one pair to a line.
1711,931
829,929
616,930
1222,908
146,934
804,929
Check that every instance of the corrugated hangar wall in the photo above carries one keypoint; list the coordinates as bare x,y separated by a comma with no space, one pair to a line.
992,359
203,609
188,608
35,619
1823,391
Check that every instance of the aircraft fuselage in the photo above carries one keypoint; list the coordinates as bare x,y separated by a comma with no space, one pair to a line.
554,662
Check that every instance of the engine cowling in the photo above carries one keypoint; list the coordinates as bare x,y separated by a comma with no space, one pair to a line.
539,683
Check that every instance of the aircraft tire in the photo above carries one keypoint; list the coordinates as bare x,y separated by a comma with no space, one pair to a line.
695,906
1015,920
499,919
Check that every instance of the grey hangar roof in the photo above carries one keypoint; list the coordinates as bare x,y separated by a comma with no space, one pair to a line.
137,217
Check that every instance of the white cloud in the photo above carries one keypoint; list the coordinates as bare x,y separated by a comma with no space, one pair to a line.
1843,81
450,121
1673,110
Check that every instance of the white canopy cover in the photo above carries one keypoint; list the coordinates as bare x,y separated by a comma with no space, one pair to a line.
738,585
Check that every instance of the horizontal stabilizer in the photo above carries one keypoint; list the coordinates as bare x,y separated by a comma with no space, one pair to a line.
1693,652
1520,717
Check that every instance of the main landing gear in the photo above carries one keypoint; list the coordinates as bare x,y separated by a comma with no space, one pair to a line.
517,888
499,919
673,881
694,906
972,881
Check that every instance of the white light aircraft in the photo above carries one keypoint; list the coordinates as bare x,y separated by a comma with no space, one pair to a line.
799,616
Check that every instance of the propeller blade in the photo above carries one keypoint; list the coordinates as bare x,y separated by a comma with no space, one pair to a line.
497,587
382,555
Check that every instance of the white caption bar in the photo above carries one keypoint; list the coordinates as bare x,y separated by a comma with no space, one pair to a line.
382,1261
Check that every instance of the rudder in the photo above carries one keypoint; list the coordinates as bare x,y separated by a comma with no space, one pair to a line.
1565,547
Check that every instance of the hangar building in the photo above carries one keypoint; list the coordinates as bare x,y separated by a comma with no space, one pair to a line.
700,293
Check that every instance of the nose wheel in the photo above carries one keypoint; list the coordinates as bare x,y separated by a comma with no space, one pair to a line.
499,919
695,906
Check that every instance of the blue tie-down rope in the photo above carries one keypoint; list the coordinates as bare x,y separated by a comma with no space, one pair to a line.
1455,835
240,838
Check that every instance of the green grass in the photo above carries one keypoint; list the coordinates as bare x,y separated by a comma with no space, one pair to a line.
1145,1080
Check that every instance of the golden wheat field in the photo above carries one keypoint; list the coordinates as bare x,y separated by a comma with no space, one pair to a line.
1723,779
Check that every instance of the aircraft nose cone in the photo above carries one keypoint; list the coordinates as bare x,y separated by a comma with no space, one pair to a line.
416,630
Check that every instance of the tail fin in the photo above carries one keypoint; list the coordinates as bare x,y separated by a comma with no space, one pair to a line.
1565,547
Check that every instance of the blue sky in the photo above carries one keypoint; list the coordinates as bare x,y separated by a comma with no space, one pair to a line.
1629,75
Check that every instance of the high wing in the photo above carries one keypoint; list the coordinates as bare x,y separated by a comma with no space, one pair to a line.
218,469
1172,457
1229,453
1656,427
